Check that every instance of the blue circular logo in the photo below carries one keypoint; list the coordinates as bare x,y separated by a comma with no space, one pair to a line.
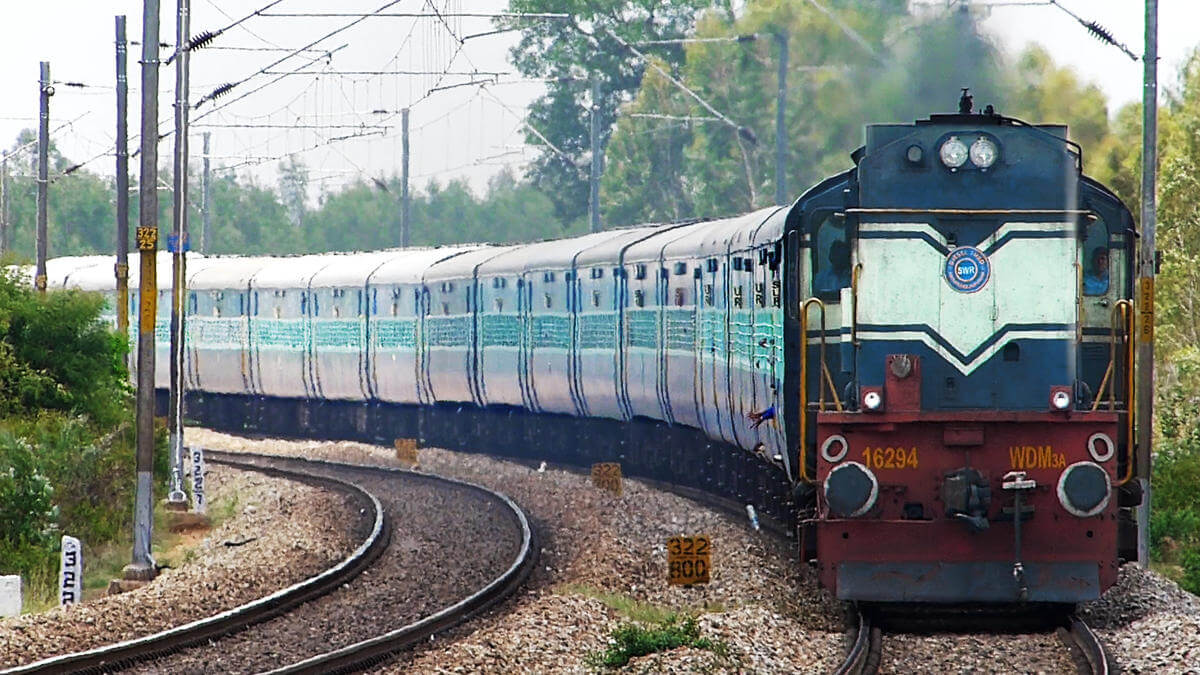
967,269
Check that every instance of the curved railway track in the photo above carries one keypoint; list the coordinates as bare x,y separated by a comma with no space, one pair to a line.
206,634
865,653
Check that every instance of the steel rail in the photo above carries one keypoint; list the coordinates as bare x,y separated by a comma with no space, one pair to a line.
1086,647
378,649
864,654
123,654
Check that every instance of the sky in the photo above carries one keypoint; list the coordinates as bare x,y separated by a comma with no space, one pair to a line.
464,132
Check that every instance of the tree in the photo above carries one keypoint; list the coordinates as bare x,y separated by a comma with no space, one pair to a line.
701,165
575,52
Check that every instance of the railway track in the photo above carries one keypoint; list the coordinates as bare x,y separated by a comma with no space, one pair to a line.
240,639
865,653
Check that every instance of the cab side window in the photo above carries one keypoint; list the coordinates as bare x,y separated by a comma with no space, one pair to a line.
1095,258
830,257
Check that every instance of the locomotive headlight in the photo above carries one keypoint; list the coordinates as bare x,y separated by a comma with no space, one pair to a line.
953,153
984,153
1060,400
872,400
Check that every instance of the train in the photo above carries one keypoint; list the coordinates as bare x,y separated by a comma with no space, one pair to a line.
922,368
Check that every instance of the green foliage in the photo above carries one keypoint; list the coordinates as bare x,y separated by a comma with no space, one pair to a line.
366,216
631,640
55,354
1190,562
26,508
66,445
577,52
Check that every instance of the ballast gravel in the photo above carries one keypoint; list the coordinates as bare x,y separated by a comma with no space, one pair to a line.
447,542
284,531
600,552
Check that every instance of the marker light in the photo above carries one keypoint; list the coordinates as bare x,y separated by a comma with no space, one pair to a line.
983,153
1101,447
1060,400
834,448
953,153
872,399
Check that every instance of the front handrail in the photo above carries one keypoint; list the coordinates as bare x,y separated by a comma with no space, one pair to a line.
1120,320
824,378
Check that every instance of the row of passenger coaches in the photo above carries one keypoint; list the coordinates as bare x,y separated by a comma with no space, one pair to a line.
680,323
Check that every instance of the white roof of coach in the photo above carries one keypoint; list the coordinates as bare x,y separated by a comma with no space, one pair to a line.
352,269
555,254
607,253
226,272
463,266
714,237
410,266
290,271
60,270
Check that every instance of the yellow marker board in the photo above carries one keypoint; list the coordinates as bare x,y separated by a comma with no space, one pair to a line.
1146,309
607,476
689,560
406,450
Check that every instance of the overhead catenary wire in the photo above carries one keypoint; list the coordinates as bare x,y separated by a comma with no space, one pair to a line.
1099,32
324,37
854,35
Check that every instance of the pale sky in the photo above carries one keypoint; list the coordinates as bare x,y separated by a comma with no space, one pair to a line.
455,132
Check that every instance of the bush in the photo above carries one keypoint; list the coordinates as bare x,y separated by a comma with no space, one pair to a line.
66,420
1190,561
27,540
1175,503
56,354
631,640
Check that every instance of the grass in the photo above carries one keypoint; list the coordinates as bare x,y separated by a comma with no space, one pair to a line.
631,640
103,563
650,628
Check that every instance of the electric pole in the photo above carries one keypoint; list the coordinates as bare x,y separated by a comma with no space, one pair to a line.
141,568
122,266
781,41
176,498
205,197
405,214
43,180
1146,262
597,158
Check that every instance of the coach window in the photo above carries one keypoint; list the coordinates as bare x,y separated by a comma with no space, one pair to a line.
830,258
1095,258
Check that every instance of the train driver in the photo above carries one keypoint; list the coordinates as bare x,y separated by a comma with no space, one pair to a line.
1095,281
835,274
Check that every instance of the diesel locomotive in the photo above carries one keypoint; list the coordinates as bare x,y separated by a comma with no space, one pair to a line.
922,367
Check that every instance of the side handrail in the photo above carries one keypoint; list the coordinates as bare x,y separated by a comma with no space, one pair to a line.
824,378
1124,308
854,303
